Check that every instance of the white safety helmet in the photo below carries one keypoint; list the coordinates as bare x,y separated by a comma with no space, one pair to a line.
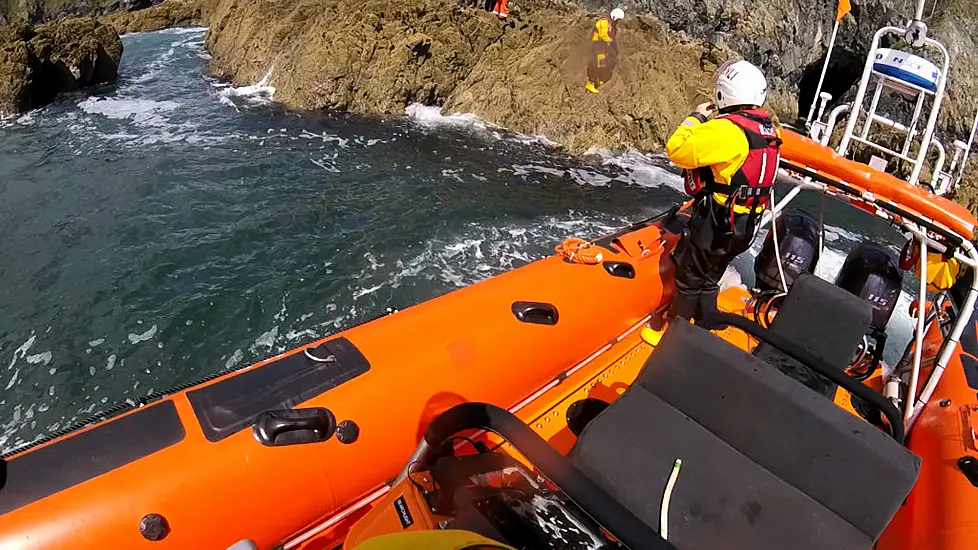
740,83
617,14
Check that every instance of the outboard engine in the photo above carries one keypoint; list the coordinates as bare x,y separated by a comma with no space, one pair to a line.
872,273
798,234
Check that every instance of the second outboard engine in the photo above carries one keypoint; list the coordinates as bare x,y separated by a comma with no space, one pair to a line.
798,234
872,273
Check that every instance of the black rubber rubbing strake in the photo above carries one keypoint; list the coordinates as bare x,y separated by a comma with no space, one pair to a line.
85,455
536,313
233,404
969,467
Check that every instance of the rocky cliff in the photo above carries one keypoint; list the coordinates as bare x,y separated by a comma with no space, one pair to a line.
172,13
535,61
38,63
527,74
788,39
39,11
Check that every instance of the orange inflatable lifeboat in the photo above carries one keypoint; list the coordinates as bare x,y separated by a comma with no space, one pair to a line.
212,464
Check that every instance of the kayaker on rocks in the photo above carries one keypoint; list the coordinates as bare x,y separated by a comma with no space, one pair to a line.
729,164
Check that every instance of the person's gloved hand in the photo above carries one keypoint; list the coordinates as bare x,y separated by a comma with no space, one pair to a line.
704,111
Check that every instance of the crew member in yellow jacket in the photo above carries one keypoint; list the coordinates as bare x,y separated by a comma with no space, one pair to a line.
604,50
729,162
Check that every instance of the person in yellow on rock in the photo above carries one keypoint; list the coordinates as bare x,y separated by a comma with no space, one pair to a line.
729,164
604,50
432,540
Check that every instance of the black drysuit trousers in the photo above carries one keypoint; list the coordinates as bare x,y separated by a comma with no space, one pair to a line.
707,246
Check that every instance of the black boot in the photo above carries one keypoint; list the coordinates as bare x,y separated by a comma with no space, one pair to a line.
707,310
685,305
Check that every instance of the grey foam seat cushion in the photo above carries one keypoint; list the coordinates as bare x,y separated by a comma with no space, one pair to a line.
721,499
846,464
822,318
746,433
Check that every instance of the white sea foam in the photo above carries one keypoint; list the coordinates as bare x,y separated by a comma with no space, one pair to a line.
43,358
259,93
266,340
137,338
235,358
642,169
142,112
433,116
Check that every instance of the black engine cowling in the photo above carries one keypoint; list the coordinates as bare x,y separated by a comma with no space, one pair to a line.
798,234
871,272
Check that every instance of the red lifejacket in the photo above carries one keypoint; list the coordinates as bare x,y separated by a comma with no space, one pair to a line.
752,182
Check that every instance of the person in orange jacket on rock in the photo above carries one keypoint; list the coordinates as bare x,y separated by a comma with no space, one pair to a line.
604,50
498,8
729,164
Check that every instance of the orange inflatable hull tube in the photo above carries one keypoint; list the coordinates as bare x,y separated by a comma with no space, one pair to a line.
189,466
940,511
812,154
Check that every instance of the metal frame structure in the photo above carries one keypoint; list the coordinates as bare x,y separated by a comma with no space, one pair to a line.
886,81
929,236
915,34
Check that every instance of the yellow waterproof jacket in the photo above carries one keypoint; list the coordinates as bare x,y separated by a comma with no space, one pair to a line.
431,540
718,143
603,30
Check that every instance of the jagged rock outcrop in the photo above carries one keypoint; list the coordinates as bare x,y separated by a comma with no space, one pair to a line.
125,15
527,74
39,11
172,13
38,63
789,39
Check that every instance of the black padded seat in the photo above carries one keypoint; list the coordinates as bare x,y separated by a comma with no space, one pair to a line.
826,321
767,463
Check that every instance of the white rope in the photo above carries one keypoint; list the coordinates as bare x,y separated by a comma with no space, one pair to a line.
777,247
664,511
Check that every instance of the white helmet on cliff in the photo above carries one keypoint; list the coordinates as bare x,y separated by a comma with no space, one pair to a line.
617,14
740,83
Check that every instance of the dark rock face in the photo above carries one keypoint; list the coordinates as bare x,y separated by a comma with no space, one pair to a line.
40,11
38,63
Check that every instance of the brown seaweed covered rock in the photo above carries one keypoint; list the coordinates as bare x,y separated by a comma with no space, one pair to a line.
172,13
38,63
526,74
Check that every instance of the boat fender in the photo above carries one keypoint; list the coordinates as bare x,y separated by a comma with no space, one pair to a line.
154,527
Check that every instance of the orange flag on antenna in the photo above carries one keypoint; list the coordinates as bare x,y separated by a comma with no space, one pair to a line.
842,10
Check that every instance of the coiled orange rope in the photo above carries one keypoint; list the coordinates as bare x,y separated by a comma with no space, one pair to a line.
579,251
